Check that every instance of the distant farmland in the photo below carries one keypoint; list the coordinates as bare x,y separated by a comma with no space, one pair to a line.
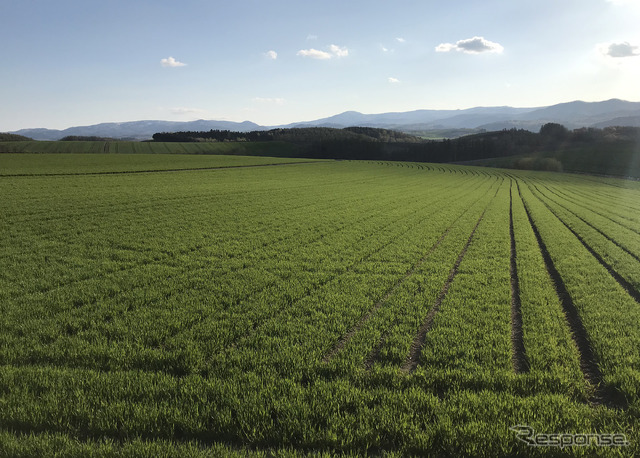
129,147
247,306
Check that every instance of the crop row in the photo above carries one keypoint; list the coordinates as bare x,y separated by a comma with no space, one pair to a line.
608,314
105,148
123,308
337,306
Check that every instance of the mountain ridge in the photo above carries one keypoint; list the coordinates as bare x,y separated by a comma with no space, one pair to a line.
572,115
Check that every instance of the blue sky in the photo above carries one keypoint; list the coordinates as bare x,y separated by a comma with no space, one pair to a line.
81,62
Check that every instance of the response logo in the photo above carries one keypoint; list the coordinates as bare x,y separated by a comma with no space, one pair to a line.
527,435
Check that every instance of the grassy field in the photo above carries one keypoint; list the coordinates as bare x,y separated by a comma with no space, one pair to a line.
281,149
200,307
31,164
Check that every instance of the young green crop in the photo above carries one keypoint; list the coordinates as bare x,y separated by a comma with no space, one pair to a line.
270,310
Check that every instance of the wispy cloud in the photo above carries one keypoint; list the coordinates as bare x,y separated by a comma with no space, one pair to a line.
171,62
314,54
187,111
400,40
271,54
393,80
334,51
269,100
475,45
312,37
619,50
339,51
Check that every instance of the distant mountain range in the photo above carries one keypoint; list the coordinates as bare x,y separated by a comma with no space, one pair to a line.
136,130
572,115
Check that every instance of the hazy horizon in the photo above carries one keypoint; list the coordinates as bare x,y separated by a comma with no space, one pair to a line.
301,121
70,63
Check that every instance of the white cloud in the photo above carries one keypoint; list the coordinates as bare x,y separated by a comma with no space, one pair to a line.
445,47
339,51
475,45
393,80
400,40
171,62
314,54
269,100
618,50
335,51
271,54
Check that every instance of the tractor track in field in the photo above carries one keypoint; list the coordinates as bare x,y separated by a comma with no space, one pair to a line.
339,345
128,172
161,262
411,362
519,357
257,325
602,200
168,256
345,338
626,285
615,242
233,343
374,354
233,270
602,215
588,362
95,211
570,195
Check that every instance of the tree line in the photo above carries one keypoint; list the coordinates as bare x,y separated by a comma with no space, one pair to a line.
296,135
7,137
383,144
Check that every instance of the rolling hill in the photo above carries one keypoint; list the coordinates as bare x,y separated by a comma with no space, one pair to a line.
572,115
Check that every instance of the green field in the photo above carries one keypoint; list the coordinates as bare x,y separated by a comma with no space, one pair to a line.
30,164
275,148
200,307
